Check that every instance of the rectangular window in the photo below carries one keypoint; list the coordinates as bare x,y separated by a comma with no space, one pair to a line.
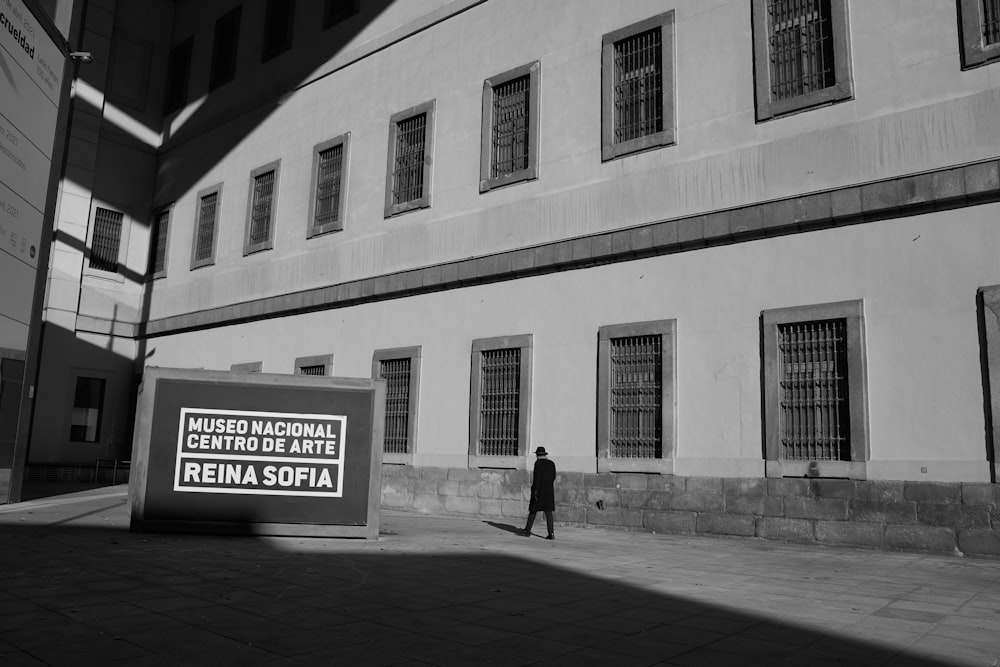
106,240
278,27
128,70
337,11
501,401
408,176
261,205
88,404
510,127
815,407
801,55
636,397
224,49
316,365
637,80
980,21
329,186
814,422
158,244
178,74
206,227
399,368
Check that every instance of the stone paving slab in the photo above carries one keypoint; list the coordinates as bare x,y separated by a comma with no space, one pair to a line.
76,588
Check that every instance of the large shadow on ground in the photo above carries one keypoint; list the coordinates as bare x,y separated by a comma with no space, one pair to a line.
102,596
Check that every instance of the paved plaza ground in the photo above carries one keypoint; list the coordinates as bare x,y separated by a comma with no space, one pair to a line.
77,588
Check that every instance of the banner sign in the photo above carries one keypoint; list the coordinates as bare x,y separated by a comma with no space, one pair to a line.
260,453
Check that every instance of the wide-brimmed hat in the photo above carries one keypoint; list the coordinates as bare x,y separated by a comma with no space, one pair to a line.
541,452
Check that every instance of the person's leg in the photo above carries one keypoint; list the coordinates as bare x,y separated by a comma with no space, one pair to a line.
531,520
548,523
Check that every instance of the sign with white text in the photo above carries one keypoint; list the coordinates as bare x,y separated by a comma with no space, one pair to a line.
260,453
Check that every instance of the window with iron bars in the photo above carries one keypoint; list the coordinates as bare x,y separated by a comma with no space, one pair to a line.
980,34
329,185
815,416
408,171
158,247
500,405
801,54
636,397
510,127
319,369
315,365
638,81
499,402
278,27
260,214
635,372
815,405
203,250
106,240
224,49
396,373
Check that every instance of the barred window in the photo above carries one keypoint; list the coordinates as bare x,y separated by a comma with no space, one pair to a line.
408,171
209,204
638,86
178,73
815,405
991,22
158,246
314,365
399,369
408,166
636,397
510,132
319,369
248,367
106,240
278,26
980,20
499,427
635,421
260,213
815,416
638,80
499,402
396,373
329,185
801,54
801,47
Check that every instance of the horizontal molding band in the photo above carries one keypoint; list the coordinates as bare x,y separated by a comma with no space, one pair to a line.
943,189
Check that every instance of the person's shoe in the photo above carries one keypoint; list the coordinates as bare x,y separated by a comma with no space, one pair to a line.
550,536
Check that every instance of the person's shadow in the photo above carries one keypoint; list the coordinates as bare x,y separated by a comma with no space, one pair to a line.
505,526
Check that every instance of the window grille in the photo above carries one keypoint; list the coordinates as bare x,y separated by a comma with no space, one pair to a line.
510,127
260,209
396,373
814,416
408,167
800,47
328,177
638,86
158,264
318,369
106,240
636,397
178,71
991,22
206,226
500,394
278,27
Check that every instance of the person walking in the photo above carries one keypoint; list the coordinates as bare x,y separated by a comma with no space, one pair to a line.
543,495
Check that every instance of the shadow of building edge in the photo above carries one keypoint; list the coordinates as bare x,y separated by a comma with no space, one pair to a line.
428,599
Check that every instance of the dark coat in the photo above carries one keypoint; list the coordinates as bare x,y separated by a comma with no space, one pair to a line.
543,495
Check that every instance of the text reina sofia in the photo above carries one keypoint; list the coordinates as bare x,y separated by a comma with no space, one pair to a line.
260,453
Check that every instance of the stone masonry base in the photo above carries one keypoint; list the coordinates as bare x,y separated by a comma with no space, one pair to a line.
954,518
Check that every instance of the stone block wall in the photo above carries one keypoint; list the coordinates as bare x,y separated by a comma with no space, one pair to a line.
954,518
